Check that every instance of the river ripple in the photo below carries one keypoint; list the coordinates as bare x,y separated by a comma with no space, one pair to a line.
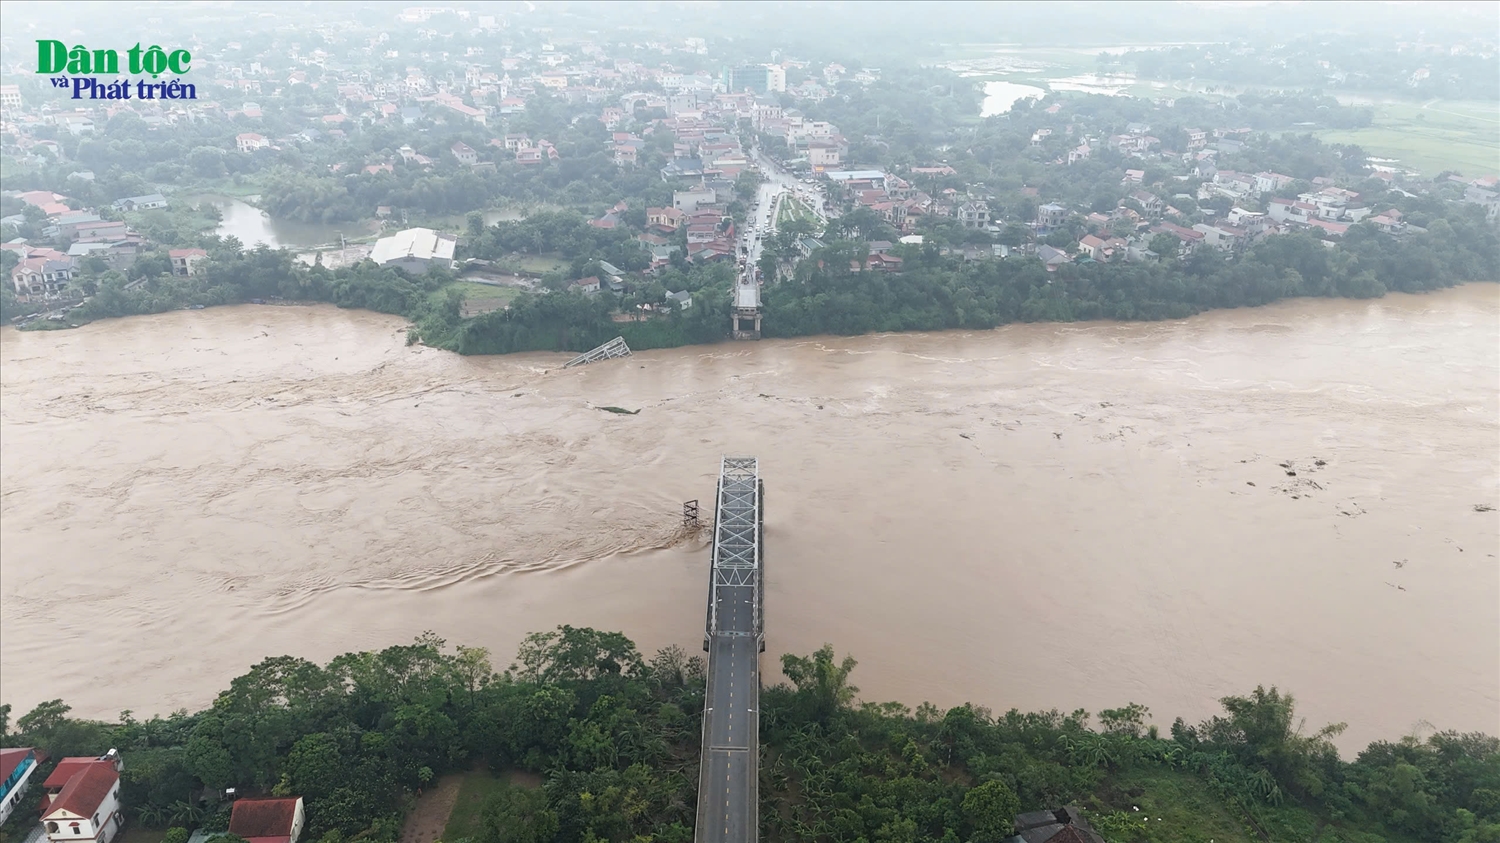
1038,516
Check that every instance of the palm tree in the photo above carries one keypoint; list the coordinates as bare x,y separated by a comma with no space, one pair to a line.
152,815
185,813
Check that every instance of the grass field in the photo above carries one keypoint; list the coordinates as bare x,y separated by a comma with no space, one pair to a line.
475,290
534,263
481,298
792,208
1431,137
477,788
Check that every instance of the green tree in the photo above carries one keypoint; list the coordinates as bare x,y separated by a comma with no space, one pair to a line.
821,681
517,815
990,810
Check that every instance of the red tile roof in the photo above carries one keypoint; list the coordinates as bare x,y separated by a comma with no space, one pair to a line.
85,791
10,759
253,818
69,767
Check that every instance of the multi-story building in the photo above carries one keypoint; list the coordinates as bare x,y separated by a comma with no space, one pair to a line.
16,767
83,800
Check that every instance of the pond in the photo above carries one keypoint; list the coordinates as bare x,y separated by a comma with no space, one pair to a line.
252,226
999,96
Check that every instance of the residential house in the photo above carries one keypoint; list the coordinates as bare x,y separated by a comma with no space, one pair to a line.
589,285
465,154
1223,237
267,820
1486,197
807,245
67,224
1138,250
1288,210
1102,249
1234,184
529,155
1332,229
1052,258
1150,202
16,767
250,141
1389,221
1133,177
822,154
669,218
1063,825
682,299
185,261
1188,239
147,202
689,201
42,274
974,214
1268,182
82,802
1051,215
414,250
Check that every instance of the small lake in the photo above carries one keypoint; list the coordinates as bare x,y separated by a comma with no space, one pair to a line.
1000,96
504,215
253,226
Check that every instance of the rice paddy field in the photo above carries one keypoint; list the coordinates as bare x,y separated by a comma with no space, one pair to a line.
1430,137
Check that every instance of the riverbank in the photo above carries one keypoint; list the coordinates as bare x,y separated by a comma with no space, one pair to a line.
627,732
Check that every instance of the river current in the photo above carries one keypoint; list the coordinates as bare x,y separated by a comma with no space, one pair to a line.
1038,516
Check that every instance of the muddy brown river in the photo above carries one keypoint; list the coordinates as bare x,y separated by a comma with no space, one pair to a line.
1039,516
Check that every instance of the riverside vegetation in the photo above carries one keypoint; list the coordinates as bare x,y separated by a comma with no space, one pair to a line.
615,739
830,293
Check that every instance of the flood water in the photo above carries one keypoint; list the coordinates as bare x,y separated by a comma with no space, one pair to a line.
253,226
999,96
1039,516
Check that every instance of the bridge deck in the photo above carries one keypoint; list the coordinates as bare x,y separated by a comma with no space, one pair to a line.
729,772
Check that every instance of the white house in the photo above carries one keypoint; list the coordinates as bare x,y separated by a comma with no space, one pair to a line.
16,767
689,201
83,800
250,141
148,202
267,820
415,249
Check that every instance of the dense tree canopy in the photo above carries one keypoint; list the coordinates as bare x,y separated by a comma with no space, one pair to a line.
616,738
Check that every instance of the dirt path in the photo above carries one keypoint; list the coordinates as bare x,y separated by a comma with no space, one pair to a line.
426,821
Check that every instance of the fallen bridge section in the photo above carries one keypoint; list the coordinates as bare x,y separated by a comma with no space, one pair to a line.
610,350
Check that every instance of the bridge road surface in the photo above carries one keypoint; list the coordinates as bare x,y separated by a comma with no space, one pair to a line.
729,772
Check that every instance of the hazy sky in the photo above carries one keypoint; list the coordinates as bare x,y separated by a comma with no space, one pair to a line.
877,25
